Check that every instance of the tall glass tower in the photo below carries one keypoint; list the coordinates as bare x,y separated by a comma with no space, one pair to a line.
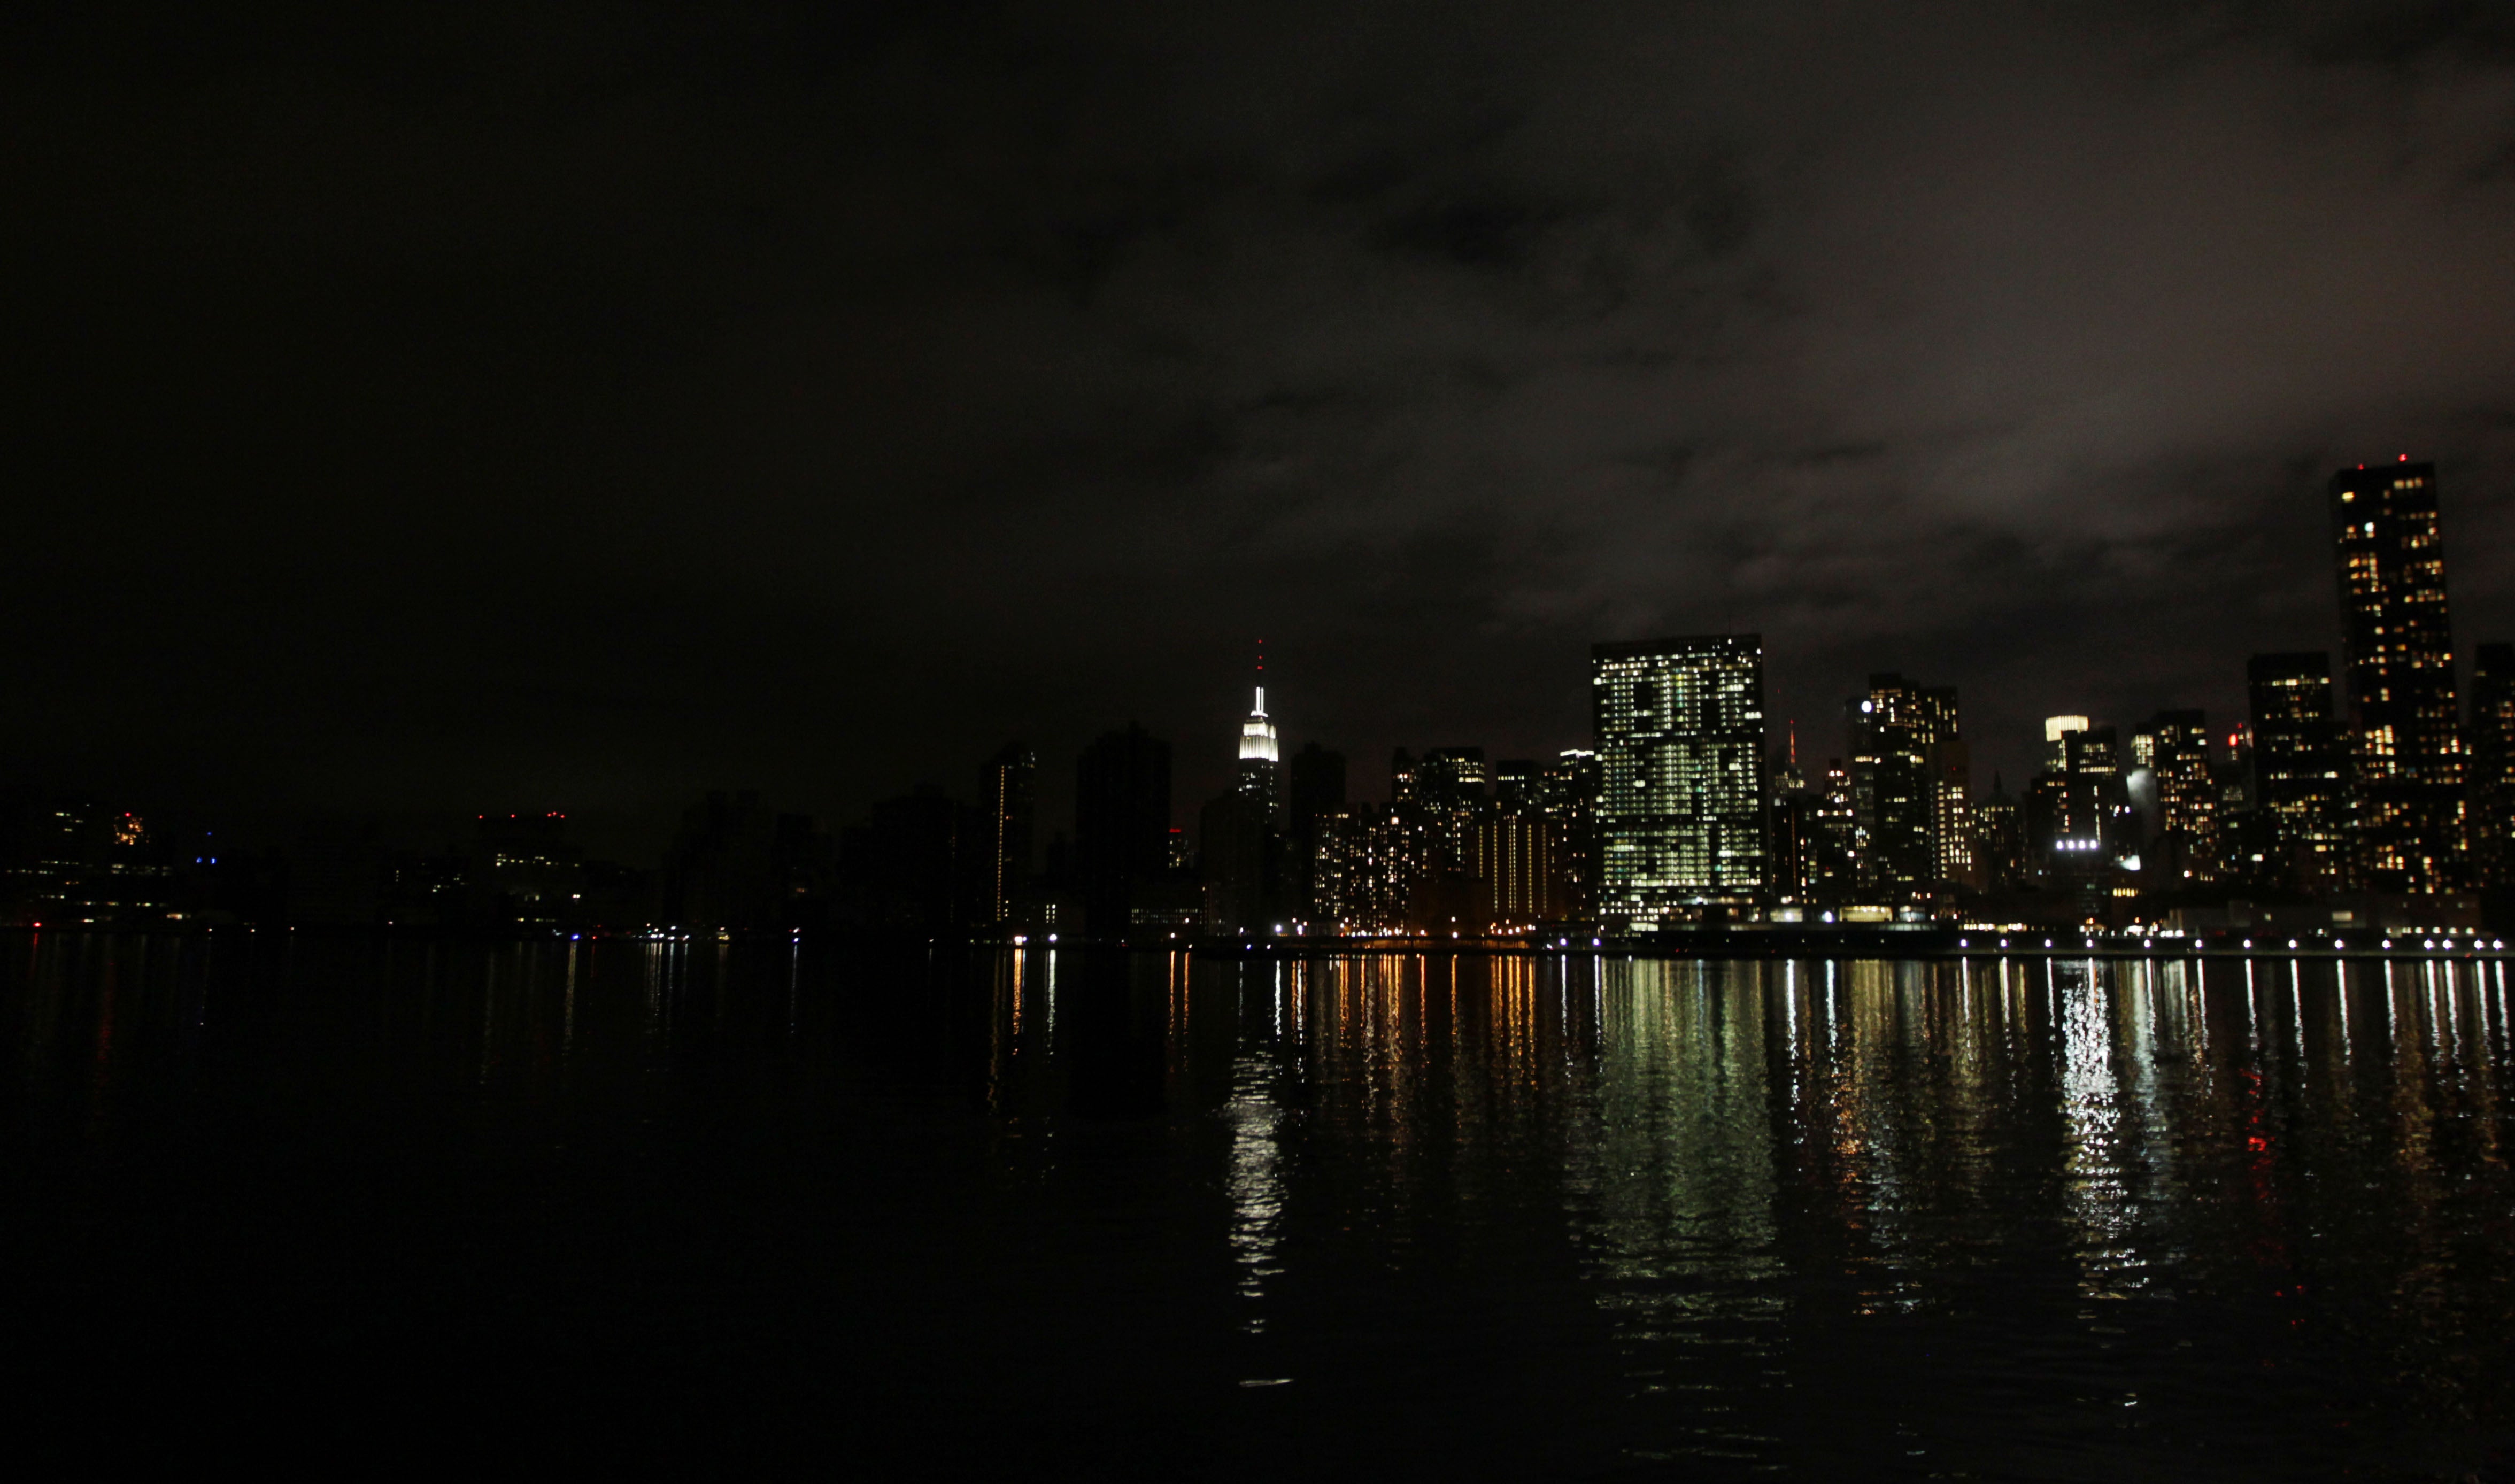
2405,760
1680,735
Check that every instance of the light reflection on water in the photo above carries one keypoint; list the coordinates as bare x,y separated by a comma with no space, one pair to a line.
2019,1218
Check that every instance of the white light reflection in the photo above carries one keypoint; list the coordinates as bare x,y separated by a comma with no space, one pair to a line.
1256,1185
2096,1194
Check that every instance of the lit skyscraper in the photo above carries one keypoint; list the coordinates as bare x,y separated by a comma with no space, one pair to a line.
1680,735
2173,752
2056,750
1909,786
1569,795
2406,759
2298,784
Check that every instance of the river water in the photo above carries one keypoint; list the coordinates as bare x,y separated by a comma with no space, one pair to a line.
936,1214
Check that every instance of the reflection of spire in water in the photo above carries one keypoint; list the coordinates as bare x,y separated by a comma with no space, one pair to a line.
1255,1182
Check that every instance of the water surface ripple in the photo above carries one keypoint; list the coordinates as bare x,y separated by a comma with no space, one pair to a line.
927,1212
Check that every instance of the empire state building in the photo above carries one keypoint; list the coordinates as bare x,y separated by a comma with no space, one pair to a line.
1260,773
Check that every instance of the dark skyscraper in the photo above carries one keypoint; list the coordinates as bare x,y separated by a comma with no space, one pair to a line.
2000,840
1006,789
1453,778
2076,816
2298,791
1317,785
1317,789
1122,823
2406,760
1680,731
1568,793
2492,765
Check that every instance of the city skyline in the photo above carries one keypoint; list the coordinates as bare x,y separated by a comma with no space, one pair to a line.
1684,812
461,414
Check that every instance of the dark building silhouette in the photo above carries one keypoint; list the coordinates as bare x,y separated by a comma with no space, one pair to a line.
1792,838
1122,824
1568,793
1007,789
2000,840
1453,778
2405,760
718,871
1232,856
1519,783
1401,776
2299,786
523,872
1316,789
912,867
2492,765
2077,820
804,862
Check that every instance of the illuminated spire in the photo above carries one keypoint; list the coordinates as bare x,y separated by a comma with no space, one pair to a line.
1257,734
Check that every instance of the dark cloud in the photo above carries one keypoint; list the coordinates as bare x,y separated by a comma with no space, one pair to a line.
465,404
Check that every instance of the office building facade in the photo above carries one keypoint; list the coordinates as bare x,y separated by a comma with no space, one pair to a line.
2299,780
1679,724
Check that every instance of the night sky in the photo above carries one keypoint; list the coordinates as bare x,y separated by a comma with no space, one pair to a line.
579,406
